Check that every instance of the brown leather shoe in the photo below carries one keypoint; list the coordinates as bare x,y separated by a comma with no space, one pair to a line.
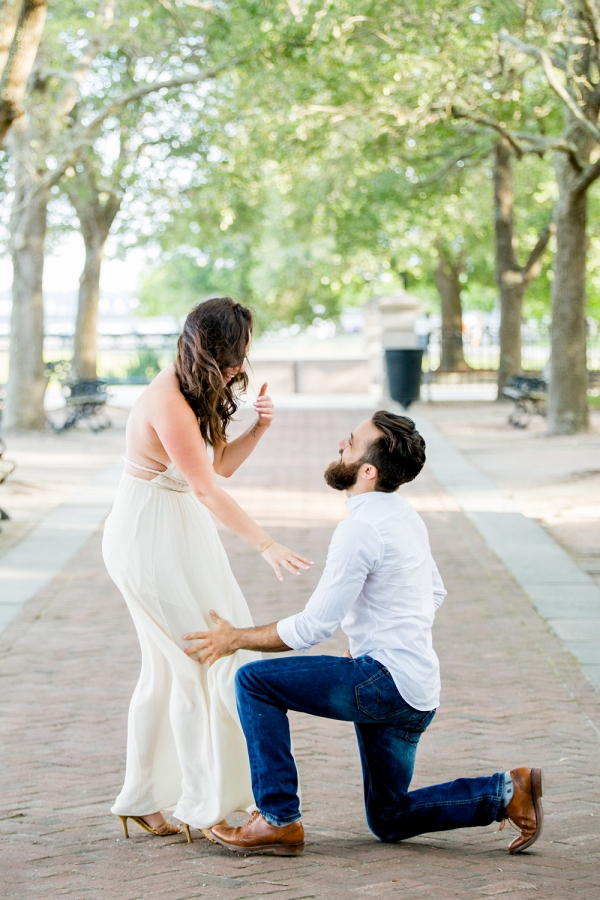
208,833
257,836
524,811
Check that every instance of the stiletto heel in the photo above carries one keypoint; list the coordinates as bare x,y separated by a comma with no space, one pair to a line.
167,829
187,832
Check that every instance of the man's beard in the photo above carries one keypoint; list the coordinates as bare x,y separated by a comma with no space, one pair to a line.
341,477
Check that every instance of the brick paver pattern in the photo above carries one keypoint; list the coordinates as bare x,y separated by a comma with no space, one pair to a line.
510,696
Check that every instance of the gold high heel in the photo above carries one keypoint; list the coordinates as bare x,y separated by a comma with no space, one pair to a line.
168,830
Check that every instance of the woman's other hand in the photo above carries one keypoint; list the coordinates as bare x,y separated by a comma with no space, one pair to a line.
279,556
264,407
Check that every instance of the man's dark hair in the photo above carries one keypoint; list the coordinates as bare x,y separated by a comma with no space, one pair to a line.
399,454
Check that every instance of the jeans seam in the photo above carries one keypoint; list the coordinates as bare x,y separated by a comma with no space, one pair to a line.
466,802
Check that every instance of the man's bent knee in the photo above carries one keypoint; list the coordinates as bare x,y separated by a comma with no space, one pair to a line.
244,677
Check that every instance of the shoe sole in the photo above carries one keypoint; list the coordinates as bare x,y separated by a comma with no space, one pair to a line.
265,850
537,791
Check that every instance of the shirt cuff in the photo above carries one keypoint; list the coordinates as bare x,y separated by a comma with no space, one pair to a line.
286,629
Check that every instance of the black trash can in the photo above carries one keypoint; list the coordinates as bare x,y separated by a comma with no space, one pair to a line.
404,374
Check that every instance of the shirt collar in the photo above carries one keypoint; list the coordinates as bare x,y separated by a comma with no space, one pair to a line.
354,502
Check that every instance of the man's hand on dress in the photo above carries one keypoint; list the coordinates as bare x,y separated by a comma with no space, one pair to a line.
215,644
225,640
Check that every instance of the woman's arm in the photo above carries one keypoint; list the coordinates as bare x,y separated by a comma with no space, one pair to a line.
177,430
229,457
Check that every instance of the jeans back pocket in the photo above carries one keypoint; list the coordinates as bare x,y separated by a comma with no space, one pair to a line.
379,698
381,701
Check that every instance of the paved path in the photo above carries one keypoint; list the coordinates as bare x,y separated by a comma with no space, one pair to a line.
511,695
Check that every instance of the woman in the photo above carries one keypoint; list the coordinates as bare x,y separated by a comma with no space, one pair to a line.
185,749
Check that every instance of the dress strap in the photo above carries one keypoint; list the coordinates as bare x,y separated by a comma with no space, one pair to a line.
135,465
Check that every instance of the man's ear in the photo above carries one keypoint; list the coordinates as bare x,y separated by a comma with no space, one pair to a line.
369,472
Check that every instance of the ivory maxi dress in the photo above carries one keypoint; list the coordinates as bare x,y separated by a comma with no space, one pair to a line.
186,750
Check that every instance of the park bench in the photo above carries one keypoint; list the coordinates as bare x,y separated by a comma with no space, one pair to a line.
85,401
6,467
529,395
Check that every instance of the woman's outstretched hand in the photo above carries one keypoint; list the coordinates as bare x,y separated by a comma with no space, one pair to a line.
279,556
264,407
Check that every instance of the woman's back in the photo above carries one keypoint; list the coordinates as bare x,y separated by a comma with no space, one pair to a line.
141,441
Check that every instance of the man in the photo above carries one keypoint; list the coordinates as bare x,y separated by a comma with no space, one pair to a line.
381,583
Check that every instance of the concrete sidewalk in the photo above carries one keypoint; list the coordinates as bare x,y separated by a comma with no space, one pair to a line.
511,695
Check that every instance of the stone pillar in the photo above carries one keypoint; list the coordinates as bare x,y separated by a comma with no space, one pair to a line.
390,325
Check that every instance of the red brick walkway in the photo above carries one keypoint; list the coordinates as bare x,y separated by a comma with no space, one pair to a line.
511,696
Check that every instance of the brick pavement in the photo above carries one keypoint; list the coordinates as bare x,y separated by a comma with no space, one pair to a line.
511,695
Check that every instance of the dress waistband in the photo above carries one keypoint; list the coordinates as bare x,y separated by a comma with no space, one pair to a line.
170,479
135,465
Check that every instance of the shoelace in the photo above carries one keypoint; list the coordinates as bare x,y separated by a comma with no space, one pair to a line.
511,823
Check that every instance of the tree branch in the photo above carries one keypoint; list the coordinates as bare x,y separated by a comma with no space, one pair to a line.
550,65
563,94
593,20
590,174
20,62
449,165
531,269
528,49
86,134
9,16
70,93
537,143
541,145
490,123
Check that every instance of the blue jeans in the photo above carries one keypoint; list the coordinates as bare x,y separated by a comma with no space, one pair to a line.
388,731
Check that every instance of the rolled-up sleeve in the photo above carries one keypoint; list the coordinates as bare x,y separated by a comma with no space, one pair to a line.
354,552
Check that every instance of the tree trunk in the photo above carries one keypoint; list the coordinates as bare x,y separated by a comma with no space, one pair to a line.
448,284
567,395
509,274
26,380
95,221
21,57
9,16
85,349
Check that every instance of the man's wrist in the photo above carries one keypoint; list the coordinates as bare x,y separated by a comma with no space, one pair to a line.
242,639
237,642
263,638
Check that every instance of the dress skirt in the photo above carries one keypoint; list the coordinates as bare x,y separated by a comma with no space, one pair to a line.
186,751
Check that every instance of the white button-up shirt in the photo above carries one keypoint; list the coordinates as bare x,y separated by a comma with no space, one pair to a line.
382,585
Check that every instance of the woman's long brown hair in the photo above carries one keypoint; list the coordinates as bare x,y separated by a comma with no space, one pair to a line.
215,337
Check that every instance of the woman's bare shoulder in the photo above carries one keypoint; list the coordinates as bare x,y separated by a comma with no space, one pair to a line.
166,380
164,397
